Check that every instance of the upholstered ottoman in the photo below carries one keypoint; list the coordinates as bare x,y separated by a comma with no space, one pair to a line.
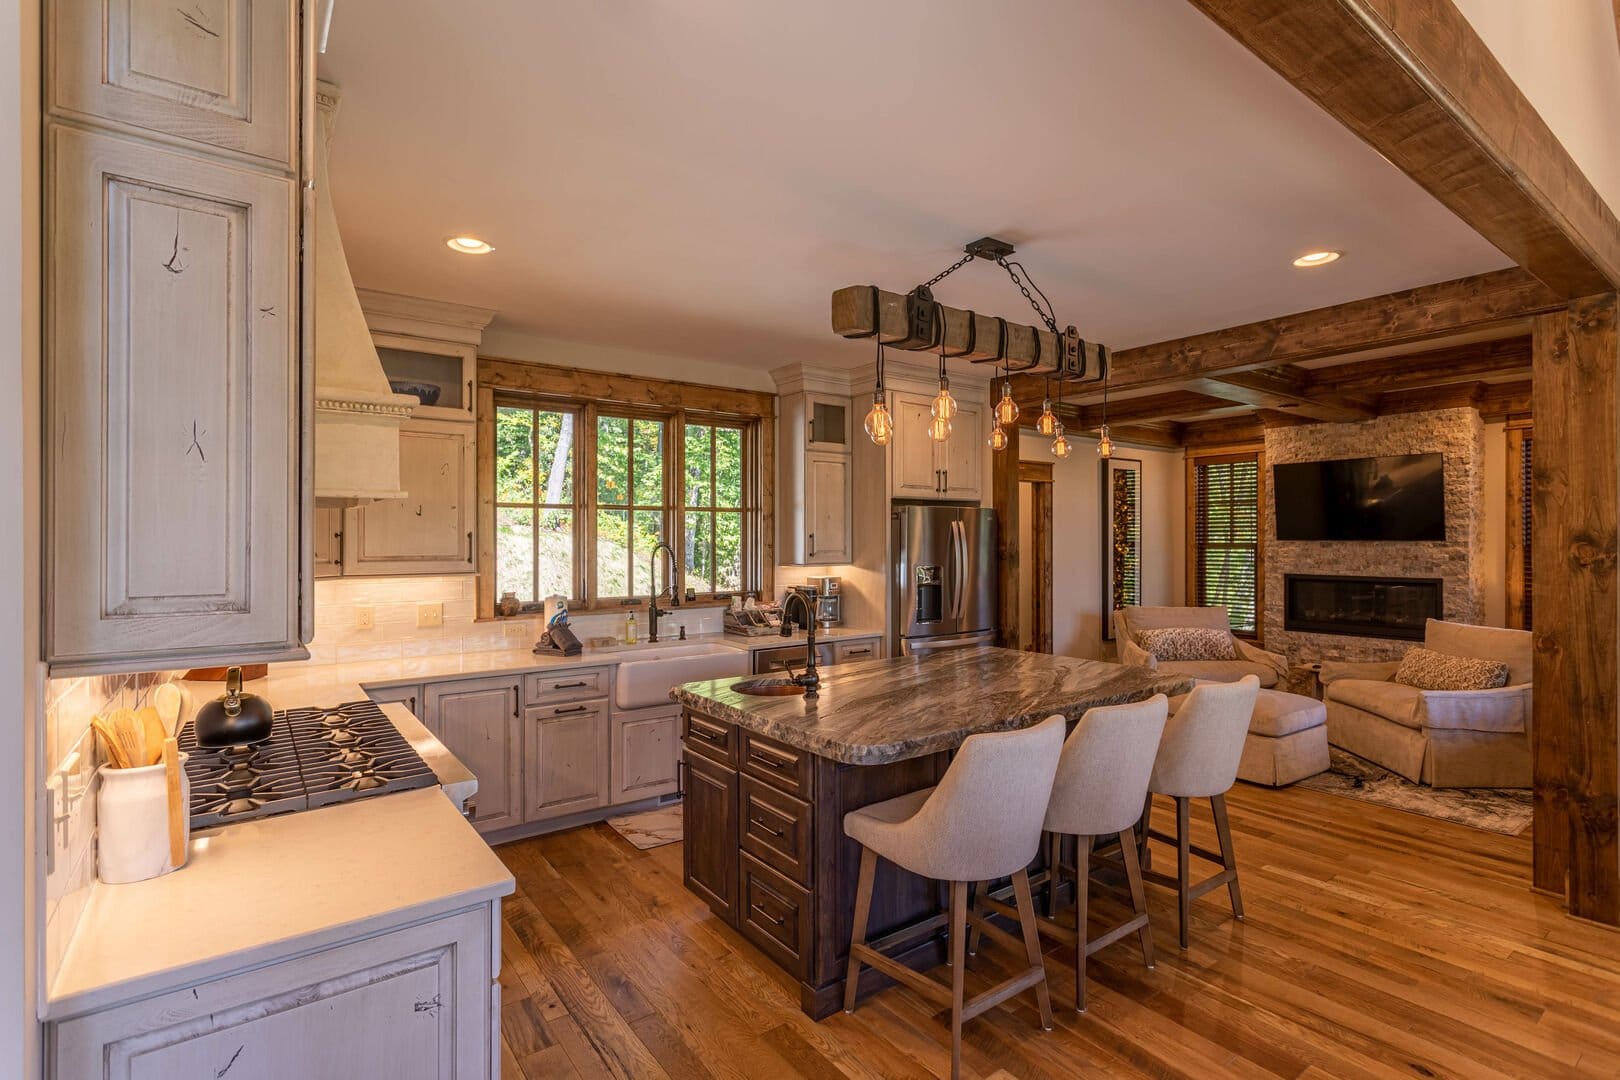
1287,739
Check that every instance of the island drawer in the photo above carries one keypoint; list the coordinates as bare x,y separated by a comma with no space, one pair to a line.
775,829
541,688
846,652
775,763
774,915
709,737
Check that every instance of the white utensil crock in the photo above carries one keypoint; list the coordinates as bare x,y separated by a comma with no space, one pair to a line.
132,816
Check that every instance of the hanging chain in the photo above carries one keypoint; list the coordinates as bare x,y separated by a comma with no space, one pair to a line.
948,271
1049,320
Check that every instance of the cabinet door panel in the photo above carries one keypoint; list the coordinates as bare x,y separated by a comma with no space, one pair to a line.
567,770
430,530
709,815
478,722
644,755
916,471
327,541
964,453
217,72
172,373
826,508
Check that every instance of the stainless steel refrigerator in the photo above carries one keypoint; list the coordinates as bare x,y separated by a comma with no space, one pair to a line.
943,588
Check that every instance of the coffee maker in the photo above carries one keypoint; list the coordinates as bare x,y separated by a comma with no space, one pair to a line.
829,601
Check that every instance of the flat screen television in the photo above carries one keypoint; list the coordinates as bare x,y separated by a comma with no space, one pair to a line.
1380,498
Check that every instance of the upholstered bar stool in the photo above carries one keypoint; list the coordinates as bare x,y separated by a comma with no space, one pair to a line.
1102,780
1198,759
982,821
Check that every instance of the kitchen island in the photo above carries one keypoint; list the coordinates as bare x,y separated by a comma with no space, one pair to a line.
769,780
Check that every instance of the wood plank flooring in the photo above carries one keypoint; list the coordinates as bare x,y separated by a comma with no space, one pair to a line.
1376,944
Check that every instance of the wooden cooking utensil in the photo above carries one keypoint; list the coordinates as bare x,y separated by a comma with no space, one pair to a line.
152,734
177,824
168,700
110,743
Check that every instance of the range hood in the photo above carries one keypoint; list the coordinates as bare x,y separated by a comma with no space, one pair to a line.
357,415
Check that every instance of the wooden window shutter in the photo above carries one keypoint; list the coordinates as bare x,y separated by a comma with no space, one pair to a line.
1226,538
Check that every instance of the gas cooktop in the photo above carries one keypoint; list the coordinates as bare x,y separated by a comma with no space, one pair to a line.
313,758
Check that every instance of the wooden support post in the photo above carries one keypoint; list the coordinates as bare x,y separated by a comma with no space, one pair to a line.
1576,510
1004,489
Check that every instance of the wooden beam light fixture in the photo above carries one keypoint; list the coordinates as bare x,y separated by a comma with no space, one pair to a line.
915,321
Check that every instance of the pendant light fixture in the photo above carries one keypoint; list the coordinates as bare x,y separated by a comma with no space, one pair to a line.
998,438
1006,408
944,406
1105,445
1060,444
879,424
1046,423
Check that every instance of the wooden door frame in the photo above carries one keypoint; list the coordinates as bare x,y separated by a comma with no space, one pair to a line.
1038,475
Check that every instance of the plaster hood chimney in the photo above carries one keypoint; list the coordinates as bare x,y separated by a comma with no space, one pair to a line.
357,415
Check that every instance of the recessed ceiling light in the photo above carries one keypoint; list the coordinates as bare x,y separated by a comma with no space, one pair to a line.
1317,258
469,245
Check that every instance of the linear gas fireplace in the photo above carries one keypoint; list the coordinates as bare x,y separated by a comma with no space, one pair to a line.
1361,606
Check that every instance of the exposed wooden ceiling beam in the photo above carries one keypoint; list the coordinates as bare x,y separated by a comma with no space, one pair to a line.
1413,79
1178,404
1284,388
1505,356
1484,302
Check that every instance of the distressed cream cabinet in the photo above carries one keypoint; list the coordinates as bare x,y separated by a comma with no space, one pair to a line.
814,464
177,354
430,531
480,722
925,469
420,1003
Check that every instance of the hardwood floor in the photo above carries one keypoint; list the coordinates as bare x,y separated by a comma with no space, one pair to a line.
1376,944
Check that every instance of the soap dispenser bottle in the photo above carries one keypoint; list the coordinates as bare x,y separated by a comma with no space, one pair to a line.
630,629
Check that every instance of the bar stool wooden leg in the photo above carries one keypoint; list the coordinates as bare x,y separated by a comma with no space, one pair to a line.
975,935
1183,865
863,909
1223,830
1082,916
1032,944
1133,874
1143,852
958,917
1054,857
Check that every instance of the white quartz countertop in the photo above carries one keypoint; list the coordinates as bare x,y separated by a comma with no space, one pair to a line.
261,891
303,684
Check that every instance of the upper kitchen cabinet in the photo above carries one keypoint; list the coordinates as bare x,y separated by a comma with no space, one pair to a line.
429,350
925,469
430,530
815,468
175,346
217,73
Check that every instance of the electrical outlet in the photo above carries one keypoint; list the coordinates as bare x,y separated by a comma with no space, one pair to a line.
365,618
516,629
428,615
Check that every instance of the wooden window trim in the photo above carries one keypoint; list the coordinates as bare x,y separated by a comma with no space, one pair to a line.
1519,611
1222,455
593,394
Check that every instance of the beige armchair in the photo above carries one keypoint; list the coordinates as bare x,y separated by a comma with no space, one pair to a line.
1129,622
1443,738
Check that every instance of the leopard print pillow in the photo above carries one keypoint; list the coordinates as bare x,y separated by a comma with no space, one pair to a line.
1188,643
1430,670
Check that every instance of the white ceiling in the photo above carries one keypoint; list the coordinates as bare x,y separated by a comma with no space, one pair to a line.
696,176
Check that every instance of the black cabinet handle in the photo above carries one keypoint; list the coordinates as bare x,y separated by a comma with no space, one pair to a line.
766,760
570,685
774,832
776,919
707,736
562,710
517,701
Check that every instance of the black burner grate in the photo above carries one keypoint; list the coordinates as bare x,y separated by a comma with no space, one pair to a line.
313,758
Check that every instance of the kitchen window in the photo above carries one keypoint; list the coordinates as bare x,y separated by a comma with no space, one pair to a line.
1224,556
586,488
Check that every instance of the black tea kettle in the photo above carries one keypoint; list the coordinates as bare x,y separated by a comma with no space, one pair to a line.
235,719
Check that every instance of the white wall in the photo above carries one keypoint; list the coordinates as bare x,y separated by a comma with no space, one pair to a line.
1077,585
512,346
21,674
1565,57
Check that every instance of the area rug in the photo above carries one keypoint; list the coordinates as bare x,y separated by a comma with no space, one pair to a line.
650,828
1498,810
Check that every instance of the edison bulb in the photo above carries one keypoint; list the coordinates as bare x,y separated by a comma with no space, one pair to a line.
879,424
939,428
1006,408
1060,446
998,438
944,406
1046,423
1105,445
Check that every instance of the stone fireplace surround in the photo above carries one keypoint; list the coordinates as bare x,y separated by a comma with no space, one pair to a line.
1458,560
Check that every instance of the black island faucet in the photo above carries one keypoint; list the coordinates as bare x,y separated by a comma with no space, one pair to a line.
810,680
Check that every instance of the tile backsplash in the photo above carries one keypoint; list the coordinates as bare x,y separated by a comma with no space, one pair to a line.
394,603
71,760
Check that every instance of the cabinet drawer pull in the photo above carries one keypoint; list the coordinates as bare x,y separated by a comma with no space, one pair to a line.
766,760
772,894
707,736
561,709
757,821
776,919
858,652
570,685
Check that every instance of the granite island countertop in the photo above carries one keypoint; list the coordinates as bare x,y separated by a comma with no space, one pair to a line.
881,711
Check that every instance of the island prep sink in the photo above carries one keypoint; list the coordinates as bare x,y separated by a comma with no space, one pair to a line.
767,687
644,678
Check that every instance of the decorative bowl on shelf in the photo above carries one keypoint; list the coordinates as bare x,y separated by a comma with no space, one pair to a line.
425,392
